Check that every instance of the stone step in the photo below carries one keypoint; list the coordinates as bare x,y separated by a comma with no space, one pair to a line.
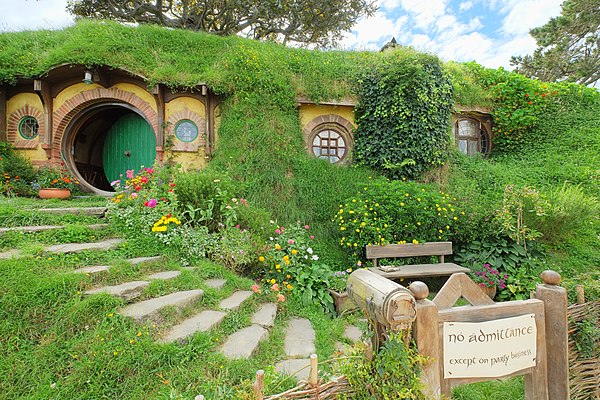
297,367
265,316
299,338
9,254
234,301
165,275
42,228
352,333
92,270
148,309
141,260
243,343
92,211
202,322
216,283
79,247
127,291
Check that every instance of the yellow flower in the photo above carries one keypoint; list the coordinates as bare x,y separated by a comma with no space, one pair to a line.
294,252
415,241
277,247
272,281
261,259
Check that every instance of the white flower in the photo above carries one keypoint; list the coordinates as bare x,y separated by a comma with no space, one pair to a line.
315,257
271,221
306,257
271,238
309,250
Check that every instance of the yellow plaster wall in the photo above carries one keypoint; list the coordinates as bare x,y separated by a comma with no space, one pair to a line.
21,100
308,112
181,104
36,156
78,88
139,92
191,161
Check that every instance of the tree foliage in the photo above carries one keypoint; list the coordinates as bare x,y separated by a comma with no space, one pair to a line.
568,46
318,22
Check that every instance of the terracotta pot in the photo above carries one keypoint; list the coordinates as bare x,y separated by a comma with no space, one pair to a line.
341,301
54,193
490,291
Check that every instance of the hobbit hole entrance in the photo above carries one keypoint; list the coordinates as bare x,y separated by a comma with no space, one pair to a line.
104,141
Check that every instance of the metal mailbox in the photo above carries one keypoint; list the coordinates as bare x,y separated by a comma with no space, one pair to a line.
384,301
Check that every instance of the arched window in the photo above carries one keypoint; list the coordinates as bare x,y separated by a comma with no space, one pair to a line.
329,143
471,136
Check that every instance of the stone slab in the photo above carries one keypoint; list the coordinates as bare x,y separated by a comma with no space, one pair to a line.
216,283
189,268
244,342
92,270
42,228
126,291
352,333
297,367
93,211
202,322
79,247
165,275
9,254
234,301
141,260
148,309
265,316
299,338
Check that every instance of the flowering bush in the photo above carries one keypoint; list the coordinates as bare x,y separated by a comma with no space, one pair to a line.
235,248
290,262
387,212
55,177
487,276
16,172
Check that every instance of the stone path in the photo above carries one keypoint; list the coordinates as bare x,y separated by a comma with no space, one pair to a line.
299,338
165,275
41,228
202,322
108,244
149,309
233,302
126,291
92,211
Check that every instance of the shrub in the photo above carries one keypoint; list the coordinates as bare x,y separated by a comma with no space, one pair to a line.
403,115
16,172
235,248
385,212
55,177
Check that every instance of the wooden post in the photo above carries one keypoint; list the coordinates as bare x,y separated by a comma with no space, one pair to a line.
580,294
3,135
313,377
555,310
259,385
426,334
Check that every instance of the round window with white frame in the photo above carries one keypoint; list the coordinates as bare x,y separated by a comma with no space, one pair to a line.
28,127
330,143
186,130
471,136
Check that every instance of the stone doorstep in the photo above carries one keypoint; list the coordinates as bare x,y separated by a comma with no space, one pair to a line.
126,291
265,316
234,301
299,338
93,211
202,322
165,275
243,343
79,247
148,309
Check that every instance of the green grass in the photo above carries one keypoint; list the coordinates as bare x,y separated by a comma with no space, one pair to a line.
502,389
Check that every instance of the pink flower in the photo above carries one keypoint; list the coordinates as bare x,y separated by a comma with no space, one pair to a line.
312,237
277,231
275,287
306,227
255,288
129,174
291,241
359,264
134,195
144,179
281,298
151,203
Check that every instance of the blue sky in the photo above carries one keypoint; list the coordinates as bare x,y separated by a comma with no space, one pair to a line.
487,31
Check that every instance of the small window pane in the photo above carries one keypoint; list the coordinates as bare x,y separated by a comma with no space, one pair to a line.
462,146
28,128
329,144
186,130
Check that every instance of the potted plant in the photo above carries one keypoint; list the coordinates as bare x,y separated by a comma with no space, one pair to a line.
54,182
488,279
338,292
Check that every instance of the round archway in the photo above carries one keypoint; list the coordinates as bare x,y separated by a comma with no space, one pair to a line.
104,140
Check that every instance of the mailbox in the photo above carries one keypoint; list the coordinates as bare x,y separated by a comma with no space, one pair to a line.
384,301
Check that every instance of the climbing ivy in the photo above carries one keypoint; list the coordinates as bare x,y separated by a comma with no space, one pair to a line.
403,115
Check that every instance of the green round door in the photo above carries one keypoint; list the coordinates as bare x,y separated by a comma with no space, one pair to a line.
130,144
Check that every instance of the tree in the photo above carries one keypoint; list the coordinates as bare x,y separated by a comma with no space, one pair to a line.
317,22
568,46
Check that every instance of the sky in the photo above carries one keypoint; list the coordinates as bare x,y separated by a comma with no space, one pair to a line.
486,31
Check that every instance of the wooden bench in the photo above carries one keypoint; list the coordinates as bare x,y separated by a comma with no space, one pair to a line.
439,249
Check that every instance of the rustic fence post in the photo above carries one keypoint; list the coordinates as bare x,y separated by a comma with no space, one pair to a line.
313,377
557,341
259,385
427,336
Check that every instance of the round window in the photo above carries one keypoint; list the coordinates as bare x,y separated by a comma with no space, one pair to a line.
330,145
186,130
471,136
28,127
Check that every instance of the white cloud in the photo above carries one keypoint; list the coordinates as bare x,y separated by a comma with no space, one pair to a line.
20,15
523,15
467,47
465,5
425,12
370,33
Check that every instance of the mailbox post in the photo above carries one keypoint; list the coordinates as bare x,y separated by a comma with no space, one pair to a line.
387,304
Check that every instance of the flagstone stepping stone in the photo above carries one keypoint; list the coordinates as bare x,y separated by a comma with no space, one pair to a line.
93,211
126,291
165,275
148,309
298,367
140,260
41,228
216,283
189,268
299,338
9,254
202,322
352,333
234,301
92,270
244,342
265,316
79,247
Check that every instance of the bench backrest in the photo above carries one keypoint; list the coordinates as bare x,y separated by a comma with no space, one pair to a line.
439,249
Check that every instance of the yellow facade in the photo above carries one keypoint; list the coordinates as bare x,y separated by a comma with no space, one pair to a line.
78,88
37,156
139,92
308,112
191,155
21,100
181,104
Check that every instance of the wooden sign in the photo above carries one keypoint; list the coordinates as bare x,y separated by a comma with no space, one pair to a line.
489,349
